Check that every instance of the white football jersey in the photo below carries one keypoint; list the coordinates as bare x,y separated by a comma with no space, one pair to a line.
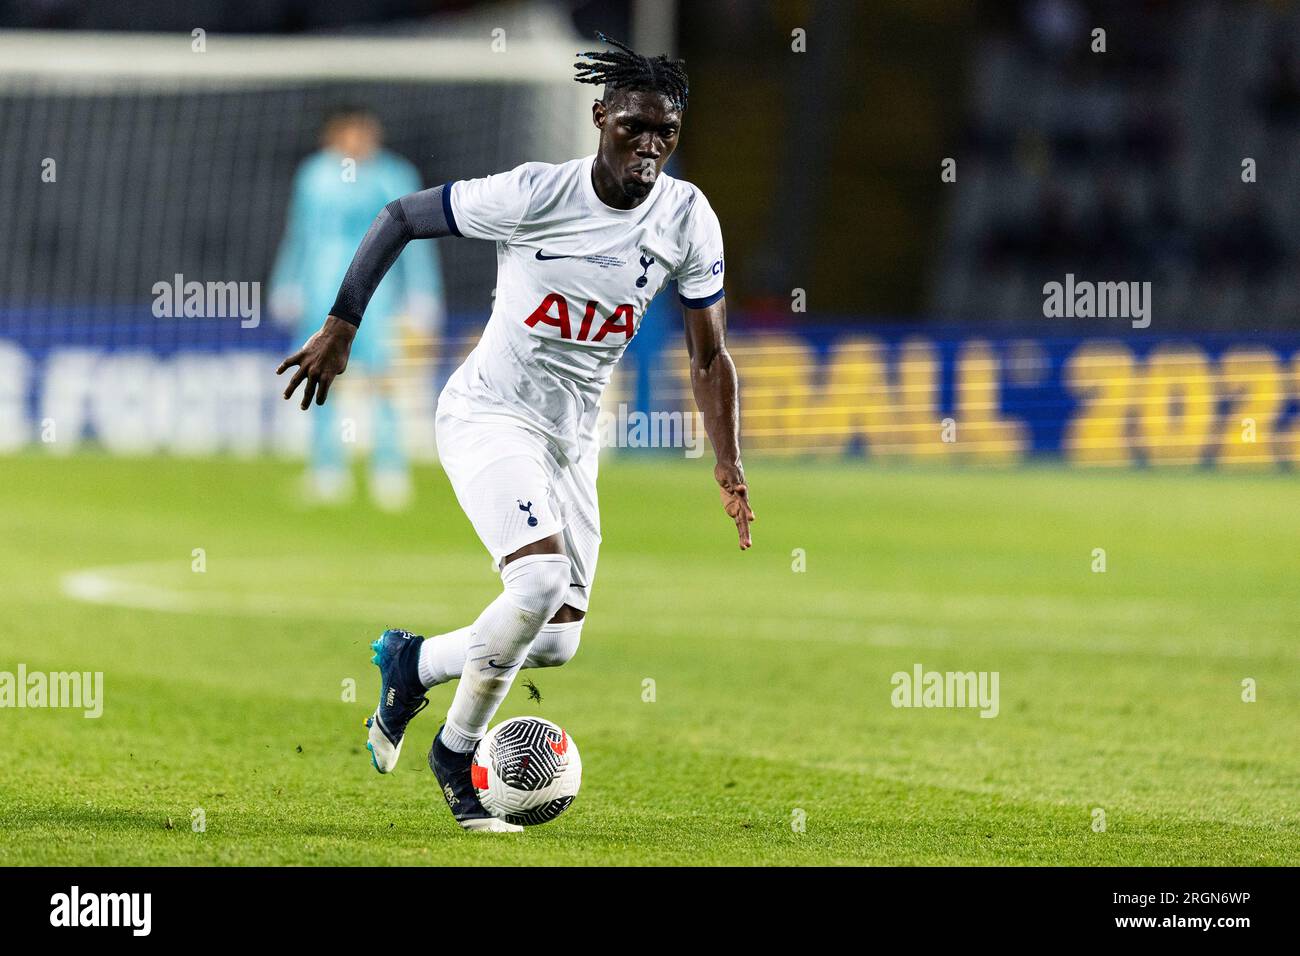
574,278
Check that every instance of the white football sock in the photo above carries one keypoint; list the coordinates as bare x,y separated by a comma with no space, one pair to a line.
442,657
535,588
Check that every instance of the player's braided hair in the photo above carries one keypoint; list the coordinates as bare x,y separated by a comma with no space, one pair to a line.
625,69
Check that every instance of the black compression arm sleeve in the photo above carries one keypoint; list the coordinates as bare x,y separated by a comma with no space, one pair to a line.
423,215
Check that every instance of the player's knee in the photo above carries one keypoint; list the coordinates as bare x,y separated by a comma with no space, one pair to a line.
567,614
537,584
555,645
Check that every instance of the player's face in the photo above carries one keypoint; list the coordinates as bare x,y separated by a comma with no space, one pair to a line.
638,132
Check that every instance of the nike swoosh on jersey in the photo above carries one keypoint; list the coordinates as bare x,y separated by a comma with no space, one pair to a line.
543,258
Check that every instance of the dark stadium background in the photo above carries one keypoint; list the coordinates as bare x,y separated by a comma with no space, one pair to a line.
826,164
825,167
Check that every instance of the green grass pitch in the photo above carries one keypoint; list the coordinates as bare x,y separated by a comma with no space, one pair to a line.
224,690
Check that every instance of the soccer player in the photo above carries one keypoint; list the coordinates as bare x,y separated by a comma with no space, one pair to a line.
335,193
582,248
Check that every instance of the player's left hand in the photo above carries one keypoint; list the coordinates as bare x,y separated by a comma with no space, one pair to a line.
322,359
735,499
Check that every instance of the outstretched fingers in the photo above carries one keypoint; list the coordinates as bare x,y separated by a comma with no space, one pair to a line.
735,501
309,392
294,359
294,382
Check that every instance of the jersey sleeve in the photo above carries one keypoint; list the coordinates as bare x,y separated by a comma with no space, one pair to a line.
491,207
421,271
699,277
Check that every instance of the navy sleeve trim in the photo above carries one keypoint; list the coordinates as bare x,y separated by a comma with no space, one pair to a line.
446,210
703,303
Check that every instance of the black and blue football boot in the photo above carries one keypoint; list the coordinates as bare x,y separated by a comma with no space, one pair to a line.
401,695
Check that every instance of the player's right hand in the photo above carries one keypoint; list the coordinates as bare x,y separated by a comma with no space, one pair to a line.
322,359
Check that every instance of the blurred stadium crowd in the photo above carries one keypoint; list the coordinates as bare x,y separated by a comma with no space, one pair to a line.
1128,164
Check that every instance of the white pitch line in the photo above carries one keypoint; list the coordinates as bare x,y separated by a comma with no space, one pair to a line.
111,585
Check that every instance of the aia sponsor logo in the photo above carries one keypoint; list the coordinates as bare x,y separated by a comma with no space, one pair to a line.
554,312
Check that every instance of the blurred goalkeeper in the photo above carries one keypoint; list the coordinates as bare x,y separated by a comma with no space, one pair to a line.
335,193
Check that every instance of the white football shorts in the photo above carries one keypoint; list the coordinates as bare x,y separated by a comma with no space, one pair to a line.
512,486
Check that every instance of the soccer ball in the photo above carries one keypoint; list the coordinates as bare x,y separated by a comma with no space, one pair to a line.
526,771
